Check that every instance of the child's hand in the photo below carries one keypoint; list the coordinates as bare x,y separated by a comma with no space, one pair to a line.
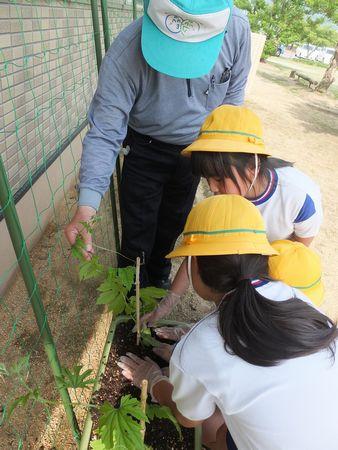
172,333
165,306
164,351
137,369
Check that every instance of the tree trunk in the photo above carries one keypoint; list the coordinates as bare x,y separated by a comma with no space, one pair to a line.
329,74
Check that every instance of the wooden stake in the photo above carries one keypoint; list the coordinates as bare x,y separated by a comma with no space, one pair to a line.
137,286
144,389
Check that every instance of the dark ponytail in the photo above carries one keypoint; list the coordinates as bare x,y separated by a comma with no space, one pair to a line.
263,332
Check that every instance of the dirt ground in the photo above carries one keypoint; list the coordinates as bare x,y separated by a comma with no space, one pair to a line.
299,125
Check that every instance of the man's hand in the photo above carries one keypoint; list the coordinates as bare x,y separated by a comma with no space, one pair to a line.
75,227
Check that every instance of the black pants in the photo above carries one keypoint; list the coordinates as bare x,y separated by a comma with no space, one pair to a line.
157,193
230,442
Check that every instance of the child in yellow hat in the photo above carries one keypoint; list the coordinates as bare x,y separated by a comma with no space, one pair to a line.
261,366
230,153
295,265
299,267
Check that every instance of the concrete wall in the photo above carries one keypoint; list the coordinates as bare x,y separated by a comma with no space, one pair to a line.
37,207
48,76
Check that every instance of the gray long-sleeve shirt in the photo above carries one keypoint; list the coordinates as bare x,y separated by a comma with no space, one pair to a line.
169,109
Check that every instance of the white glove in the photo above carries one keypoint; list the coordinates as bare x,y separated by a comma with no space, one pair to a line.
172,333
136,370
164,351
165,307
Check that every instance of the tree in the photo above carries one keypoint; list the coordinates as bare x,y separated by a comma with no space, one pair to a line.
329,10
329,74
295,21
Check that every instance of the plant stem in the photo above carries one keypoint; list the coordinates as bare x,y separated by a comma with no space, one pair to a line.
137,286
144,390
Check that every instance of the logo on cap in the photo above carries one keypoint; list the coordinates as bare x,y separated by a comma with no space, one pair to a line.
176,24
182,26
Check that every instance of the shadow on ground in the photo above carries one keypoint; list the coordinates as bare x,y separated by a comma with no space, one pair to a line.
316,117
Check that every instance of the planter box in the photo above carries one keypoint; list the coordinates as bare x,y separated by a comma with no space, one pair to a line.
87,429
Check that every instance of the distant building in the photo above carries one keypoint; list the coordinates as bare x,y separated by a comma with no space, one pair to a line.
314,53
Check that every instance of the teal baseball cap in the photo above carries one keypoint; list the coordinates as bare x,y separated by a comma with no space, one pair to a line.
183,38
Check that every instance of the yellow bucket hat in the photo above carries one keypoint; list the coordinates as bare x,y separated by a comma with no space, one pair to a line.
224,225
230,129
299,267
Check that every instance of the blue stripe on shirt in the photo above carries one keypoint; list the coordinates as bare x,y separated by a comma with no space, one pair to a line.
307,210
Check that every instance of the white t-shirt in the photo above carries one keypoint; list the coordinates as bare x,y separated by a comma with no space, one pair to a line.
291,406
290,204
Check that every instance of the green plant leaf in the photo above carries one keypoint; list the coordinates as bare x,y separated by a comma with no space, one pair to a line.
78,248
127,276
33,394
119,428
113,294
90,268
112,283
163,412
131,306
151,292
3,370
89,226
20,367
116,303
118,306
73,378
148,340
97,445
20,401
149,298
132,406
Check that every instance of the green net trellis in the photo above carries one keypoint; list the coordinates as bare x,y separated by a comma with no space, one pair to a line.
48,75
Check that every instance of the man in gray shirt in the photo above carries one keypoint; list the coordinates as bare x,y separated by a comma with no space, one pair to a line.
160,78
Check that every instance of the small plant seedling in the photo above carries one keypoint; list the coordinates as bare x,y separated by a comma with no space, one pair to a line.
73,378
149,299
32,395
120,428
114,290
147,340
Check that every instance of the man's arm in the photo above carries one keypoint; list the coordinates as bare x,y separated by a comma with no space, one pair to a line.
108,118
241,67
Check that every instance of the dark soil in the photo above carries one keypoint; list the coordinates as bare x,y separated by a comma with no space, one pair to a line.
160,434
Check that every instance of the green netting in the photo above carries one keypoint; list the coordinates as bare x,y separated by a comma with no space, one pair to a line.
48,76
